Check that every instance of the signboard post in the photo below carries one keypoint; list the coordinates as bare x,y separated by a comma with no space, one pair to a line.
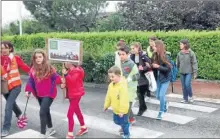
64,50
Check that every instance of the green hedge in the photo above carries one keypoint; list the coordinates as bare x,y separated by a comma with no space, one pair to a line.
205,44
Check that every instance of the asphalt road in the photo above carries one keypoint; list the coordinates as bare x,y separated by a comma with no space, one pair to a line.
200,120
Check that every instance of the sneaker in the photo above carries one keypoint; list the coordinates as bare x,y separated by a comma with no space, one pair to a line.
50,132
5,133
121,131
184,101
82,131
132,120
191,100
69,137
126,137
160,115
42,136
140,112
166,107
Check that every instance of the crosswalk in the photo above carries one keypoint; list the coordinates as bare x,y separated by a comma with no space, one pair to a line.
108,126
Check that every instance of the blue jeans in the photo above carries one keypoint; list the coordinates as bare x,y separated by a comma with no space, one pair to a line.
161,94
11,106
186,80
123,122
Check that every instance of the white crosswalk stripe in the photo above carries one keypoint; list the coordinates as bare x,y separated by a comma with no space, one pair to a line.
185,106
210,100
174,118
29,133
109,127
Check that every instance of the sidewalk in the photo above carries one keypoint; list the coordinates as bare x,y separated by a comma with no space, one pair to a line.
200,89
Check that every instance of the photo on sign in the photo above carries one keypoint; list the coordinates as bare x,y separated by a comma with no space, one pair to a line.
64,50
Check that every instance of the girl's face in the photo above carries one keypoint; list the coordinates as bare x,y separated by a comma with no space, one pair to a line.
68,65
134,50
5,50
152,43
181,46
114,78
39,58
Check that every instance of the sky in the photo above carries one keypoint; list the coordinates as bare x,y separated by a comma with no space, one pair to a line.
12,13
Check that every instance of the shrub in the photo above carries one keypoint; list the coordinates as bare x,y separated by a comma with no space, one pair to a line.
205,44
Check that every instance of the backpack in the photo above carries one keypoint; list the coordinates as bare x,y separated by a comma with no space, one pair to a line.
174,69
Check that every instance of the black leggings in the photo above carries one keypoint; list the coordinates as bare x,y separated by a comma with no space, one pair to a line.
45,117
141,90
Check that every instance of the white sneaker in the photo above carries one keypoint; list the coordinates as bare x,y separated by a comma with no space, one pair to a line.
50,132
42,136
191,99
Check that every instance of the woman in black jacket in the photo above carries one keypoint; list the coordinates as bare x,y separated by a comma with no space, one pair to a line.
161,64
143,64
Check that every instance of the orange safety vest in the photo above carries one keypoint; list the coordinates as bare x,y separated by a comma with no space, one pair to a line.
14,78
3,73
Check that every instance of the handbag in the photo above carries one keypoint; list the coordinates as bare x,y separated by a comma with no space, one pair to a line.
152,82
4,86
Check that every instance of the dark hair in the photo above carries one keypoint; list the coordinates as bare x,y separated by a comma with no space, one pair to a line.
153,38
9,45
124,49
116,70
185,42
121,43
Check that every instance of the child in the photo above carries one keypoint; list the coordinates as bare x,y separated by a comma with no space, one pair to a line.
130,72
151,48
120,44
74,75
188,67
143,64
11,64
42,84
117,98
161,63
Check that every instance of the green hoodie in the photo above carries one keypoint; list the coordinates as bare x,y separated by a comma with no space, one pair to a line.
130,72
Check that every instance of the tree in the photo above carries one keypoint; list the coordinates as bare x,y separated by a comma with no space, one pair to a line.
170,15
113,22
69,15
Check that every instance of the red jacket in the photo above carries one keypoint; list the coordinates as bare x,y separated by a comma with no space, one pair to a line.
74,83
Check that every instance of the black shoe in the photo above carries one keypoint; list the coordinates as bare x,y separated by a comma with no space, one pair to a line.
140,112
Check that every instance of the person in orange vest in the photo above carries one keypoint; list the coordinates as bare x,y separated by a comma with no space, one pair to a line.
10,63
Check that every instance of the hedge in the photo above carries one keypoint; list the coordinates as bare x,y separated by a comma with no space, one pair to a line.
205,44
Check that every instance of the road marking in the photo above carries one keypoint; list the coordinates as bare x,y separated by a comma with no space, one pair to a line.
105,125
185,106
179,119
29,133
110,127
217,101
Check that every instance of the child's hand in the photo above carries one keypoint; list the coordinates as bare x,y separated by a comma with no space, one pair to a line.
63,80
27,94
120,115
105,109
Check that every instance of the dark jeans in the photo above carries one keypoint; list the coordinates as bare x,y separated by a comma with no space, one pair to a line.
186,80
123,122
45,117
141,90
11,106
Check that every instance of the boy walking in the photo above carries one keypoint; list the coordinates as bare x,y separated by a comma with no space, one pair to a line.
117,98
130,72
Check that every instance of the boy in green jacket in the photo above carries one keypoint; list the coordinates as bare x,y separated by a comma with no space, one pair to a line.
130,72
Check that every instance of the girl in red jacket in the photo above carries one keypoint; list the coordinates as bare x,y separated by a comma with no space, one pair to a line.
74,75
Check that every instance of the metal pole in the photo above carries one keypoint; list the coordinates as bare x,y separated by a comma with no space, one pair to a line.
20,17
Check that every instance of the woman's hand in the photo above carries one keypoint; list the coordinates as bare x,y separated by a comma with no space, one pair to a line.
156,66
140,67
